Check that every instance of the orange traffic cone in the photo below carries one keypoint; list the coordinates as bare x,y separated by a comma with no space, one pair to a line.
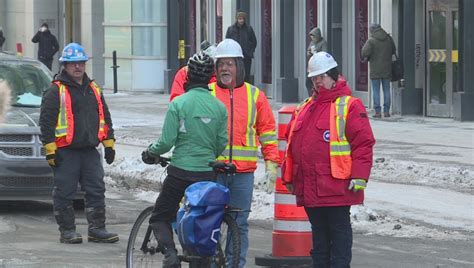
291,236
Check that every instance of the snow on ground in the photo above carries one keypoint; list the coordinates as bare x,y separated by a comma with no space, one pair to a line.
145,182
408,172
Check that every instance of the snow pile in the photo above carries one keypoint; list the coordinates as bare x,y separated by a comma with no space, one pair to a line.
144,182
408,172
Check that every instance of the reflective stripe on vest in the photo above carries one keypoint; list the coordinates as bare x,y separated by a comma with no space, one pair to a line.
102,133
340,149
64,131
247,153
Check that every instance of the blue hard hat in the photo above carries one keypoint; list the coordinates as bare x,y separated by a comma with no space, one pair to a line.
73,52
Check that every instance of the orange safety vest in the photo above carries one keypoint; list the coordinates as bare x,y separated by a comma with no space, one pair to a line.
246,139
65,126
339,147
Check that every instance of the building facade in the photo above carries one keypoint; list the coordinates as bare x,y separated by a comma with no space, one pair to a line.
153,39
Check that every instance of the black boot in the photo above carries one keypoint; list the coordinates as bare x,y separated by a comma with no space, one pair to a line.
65,219
164,235
97,231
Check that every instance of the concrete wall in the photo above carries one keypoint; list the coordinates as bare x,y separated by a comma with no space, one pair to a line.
92,36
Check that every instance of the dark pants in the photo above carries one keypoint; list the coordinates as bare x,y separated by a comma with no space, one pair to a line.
247,66
166,207
332,236
47,62
75,166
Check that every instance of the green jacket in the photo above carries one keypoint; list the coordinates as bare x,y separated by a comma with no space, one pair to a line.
378,50
196,125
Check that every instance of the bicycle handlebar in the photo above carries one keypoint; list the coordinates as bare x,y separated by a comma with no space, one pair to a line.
222,167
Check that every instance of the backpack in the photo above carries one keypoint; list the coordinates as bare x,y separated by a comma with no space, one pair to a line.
199,219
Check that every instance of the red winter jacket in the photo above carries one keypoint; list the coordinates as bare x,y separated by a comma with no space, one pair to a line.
181,76
312,181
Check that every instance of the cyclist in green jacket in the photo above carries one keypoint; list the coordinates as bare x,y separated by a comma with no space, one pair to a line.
196,125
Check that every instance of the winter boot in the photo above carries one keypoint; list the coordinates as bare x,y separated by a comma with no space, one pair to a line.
97,231
65,219
171,258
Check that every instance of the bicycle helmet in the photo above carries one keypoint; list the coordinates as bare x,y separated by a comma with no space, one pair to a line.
200,68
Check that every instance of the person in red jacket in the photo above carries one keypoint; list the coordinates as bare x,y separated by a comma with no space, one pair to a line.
180,78
328,160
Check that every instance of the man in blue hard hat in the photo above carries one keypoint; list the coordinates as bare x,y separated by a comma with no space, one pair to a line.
74,119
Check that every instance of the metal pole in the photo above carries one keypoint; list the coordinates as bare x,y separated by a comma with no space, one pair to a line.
115,67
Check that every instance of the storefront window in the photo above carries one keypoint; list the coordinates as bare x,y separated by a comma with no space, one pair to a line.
149,28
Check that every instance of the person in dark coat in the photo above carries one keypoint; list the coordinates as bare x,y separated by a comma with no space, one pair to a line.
74,120
378,50
2,38
48,45
245,36
317,44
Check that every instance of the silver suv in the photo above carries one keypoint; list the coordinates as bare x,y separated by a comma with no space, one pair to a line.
24,172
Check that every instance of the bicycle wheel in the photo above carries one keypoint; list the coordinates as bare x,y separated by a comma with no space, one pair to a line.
142,245
229,242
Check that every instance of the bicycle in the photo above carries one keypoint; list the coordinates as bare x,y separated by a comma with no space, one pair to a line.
142,247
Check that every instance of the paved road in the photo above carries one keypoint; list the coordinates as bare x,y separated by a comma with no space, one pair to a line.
29,238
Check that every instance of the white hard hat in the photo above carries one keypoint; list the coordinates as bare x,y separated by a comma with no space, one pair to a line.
320,63
228,48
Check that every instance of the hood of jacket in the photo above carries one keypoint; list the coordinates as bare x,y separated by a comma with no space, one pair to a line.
339,89
379,34
64,78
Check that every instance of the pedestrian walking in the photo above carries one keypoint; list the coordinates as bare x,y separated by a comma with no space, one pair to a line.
317,44
196,125
48,45
378,50
243,33
251,122
181,76
328,160
74,119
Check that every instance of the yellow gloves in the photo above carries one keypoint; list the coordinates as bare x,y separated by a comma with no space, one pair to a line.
51,153
357,185
109,150
271,171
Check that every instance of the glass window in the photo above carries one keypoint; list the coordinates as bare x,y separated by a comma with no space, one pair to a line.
117,10
149,11
149,40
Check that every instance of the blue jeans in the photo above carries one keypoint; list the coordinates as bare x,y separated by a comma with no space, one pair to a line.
241,191
332,236
386,94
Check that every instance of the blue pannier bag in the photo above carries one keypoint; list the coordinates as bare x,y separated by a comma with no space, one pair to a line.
199,219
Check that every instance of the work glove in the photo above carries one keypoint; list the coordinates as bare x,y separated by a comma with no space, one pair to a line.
289,187
51,157
109,150
150,159
357,185
271,170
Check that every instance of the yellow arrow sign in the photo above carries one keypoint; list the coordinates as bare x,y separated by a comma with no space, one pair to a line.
437,55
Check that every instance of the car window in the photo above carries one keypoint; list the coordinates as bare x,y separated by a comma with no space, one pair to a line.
27,80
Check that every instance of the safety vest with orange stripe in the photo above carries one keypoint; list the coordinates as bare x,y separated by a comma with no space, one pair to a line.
253,125
339,147
65,127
